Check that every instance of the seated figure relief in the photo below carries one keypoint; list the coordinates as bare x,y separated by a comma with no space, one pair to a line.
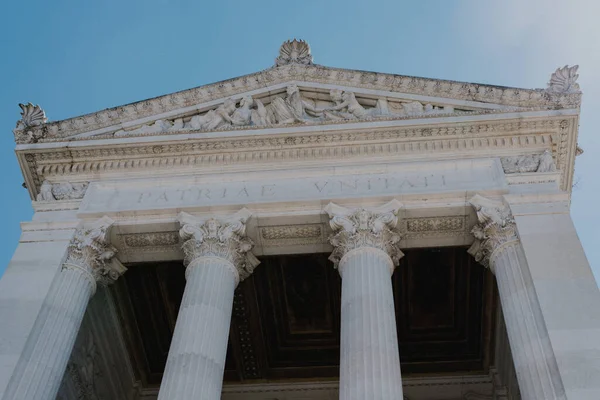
291,109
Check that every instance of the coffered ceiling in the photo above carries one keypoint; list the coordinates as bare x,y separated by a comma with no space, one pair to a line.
286,318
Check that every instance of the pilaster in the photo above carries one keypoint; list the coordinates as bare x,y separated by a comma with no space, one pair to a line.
567,292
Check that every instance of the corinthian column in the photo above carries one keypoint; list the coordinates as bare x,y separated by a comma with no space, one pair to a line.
217,258
366,253
90,260
498,247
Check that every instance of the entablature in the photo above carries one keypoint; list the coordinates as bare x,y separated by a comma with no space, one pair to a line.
505,135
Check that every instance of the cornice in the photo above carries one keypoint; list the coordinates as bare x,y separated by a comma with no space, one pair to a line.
482,138
516,97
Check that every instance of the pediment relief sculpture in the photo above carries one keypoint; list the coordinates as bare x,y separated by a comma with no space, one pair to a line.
293,107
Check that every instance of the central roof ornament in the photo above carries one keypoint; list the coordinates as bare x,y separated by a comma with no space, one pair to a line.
294,52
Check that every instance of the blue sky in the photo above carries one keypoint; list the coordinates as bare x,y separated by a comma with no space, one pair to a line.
78,57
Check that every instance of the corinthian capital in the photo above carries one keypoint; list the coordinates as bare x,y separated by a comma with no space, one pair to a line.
219,238
91,252
364,228
495,227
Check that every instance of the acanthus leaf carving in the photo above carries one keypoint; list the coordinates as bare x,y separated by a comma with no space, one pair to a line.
219,238
91,252
495,227
358,228
32,117
564,80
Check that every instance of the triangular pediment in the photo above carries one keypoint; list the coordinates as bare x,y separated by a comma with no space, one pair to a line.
324,95
301,103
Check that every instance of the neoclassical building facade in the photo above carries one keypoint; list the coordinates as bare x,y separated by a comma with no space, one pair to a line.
304,232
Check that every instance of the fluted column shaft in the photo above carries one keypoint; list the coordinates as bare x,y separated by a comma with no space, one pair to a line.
197,355
40,369
44,359
217,258
366,253
369,359
535,364
498,247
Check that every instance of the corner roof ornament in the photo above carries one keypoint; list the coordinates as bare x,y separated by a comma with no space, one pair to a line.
294,52
31,115
564,80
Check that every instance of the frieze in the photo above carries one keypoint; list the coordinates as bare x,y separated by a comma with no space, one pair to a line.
435,226
150,239
550,99
291,232
285,235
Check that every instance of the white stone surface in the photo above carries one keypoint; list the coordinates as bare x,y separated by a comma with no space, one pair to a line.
497,246
366,253
216,257
198,151
566,290
369,358
294,186
535,364
23,289
196,359
43,361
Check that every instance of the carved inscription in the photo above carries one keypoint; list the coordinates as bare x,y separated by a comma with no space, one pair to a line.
315,188
397,181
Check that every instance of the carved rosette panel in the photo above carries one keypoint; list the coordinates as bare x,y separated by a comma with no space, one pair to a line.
358,228
90,252
495,228
219,238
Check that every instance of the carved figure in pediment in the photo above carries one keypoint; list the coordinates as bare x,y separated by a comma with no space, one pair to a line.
243,115
413,108
294,108
262,116
350,108
339,110
214,119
